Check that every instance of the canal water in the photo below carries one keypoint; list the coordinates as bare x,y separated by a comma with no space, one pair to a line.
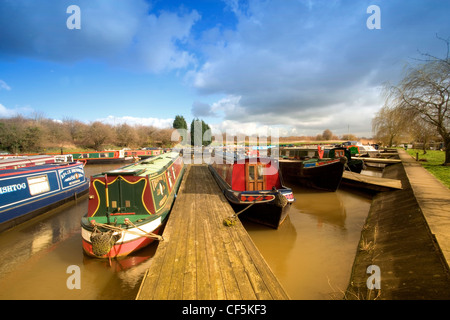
311,254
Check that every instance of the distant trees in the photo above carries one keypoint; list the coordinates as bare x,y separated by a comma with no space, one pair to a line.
327,135
200,133
22,135
388,125
179,123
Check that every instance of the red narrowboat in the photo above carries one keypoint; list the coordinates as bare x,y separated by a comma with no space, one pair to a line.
254,187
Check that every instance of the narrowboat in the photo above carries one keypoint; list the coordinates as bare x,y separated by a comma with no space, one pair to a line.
109,156
14,162
357,148
353,164
128,206
143,153
323,174
254,187
28,191
99,157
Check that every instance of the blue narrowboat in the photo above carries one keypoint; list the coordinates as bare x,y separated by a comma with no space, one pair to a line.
28,191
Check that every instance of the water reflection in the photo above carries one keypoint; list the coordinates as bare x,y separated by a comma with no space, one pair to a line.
326,207
313,254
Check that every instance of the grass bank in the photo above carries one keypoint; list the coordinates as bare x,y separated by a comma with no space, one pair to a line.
432,161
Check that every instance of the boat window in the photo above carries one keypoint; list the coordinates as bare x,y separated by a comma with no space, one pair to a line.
260,172
38,184
340,153
251,172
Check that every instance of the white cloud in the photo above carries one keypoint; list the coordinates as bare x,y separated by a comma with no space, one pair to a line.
4,86
8,113
155,122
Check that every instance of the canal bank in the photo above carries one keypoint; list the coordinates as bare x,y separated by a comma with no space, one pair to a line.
404,242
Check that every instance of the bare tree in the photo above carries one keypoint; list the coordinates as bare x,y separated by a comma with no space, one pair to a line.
424,92
126,135
98,135
388,125
423,132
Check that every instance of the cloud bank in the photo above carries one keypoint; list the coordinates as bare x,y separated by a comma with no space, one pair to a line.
123,33
303,66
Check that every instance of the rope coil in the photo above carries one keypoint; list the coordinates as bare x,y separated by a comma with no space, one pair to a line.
102,242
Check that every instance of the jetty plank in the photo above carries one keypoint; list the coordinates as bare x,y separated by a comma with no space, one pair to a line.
201,258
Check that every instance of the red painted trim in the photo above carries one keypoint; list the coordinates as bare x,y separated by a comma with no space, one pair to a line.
37,170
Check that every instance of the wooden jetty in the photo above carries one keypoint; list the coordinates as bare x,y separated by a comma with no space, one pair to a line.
370,182
201,258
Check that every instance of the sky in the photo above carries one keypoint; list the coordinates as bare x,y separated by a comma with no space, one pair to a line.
286,67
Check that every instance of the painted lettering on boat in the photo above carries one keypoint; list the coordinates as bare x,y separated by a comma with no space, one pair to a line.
13,187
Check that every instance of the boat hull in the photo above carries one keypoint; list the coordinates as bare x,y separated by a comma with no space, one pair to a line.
261,207
267,214
31,191
326,176
129,241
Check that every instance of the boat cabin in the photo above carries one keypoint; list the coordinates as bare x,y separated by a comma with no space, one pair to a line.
250,174
299,153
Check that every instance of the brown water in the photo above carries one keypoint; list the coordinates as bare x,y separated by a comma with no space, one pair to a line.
312,253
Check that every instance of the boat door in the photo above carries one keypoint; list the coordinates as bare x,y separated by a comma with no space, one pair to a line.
254,176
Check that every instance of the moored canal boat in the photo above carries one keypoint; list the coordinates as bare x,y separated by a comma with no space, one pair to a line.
128,206
353,164
108,156
323,174
14,162
254,187
28,191
143,153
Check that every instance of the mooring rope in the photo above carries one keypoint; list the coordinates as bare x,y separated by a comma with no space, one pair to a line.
149,234
114,228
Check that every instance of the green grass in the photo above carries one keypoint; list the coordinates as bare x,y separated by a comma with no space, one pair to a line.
434,160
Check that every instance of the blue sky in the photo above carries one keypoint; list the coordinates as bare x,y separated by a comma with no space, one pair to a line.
297,66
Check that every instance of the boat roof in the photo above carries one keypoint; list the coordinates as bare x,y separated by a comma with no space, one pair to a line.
145,167
18,160
236,158
37,168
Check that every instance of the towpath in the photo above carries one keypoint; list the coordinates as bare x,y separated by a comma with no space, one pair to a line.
405,244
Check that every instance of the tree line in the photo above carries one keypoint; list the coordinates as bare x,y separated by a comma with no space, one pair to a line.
25,135
418,107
